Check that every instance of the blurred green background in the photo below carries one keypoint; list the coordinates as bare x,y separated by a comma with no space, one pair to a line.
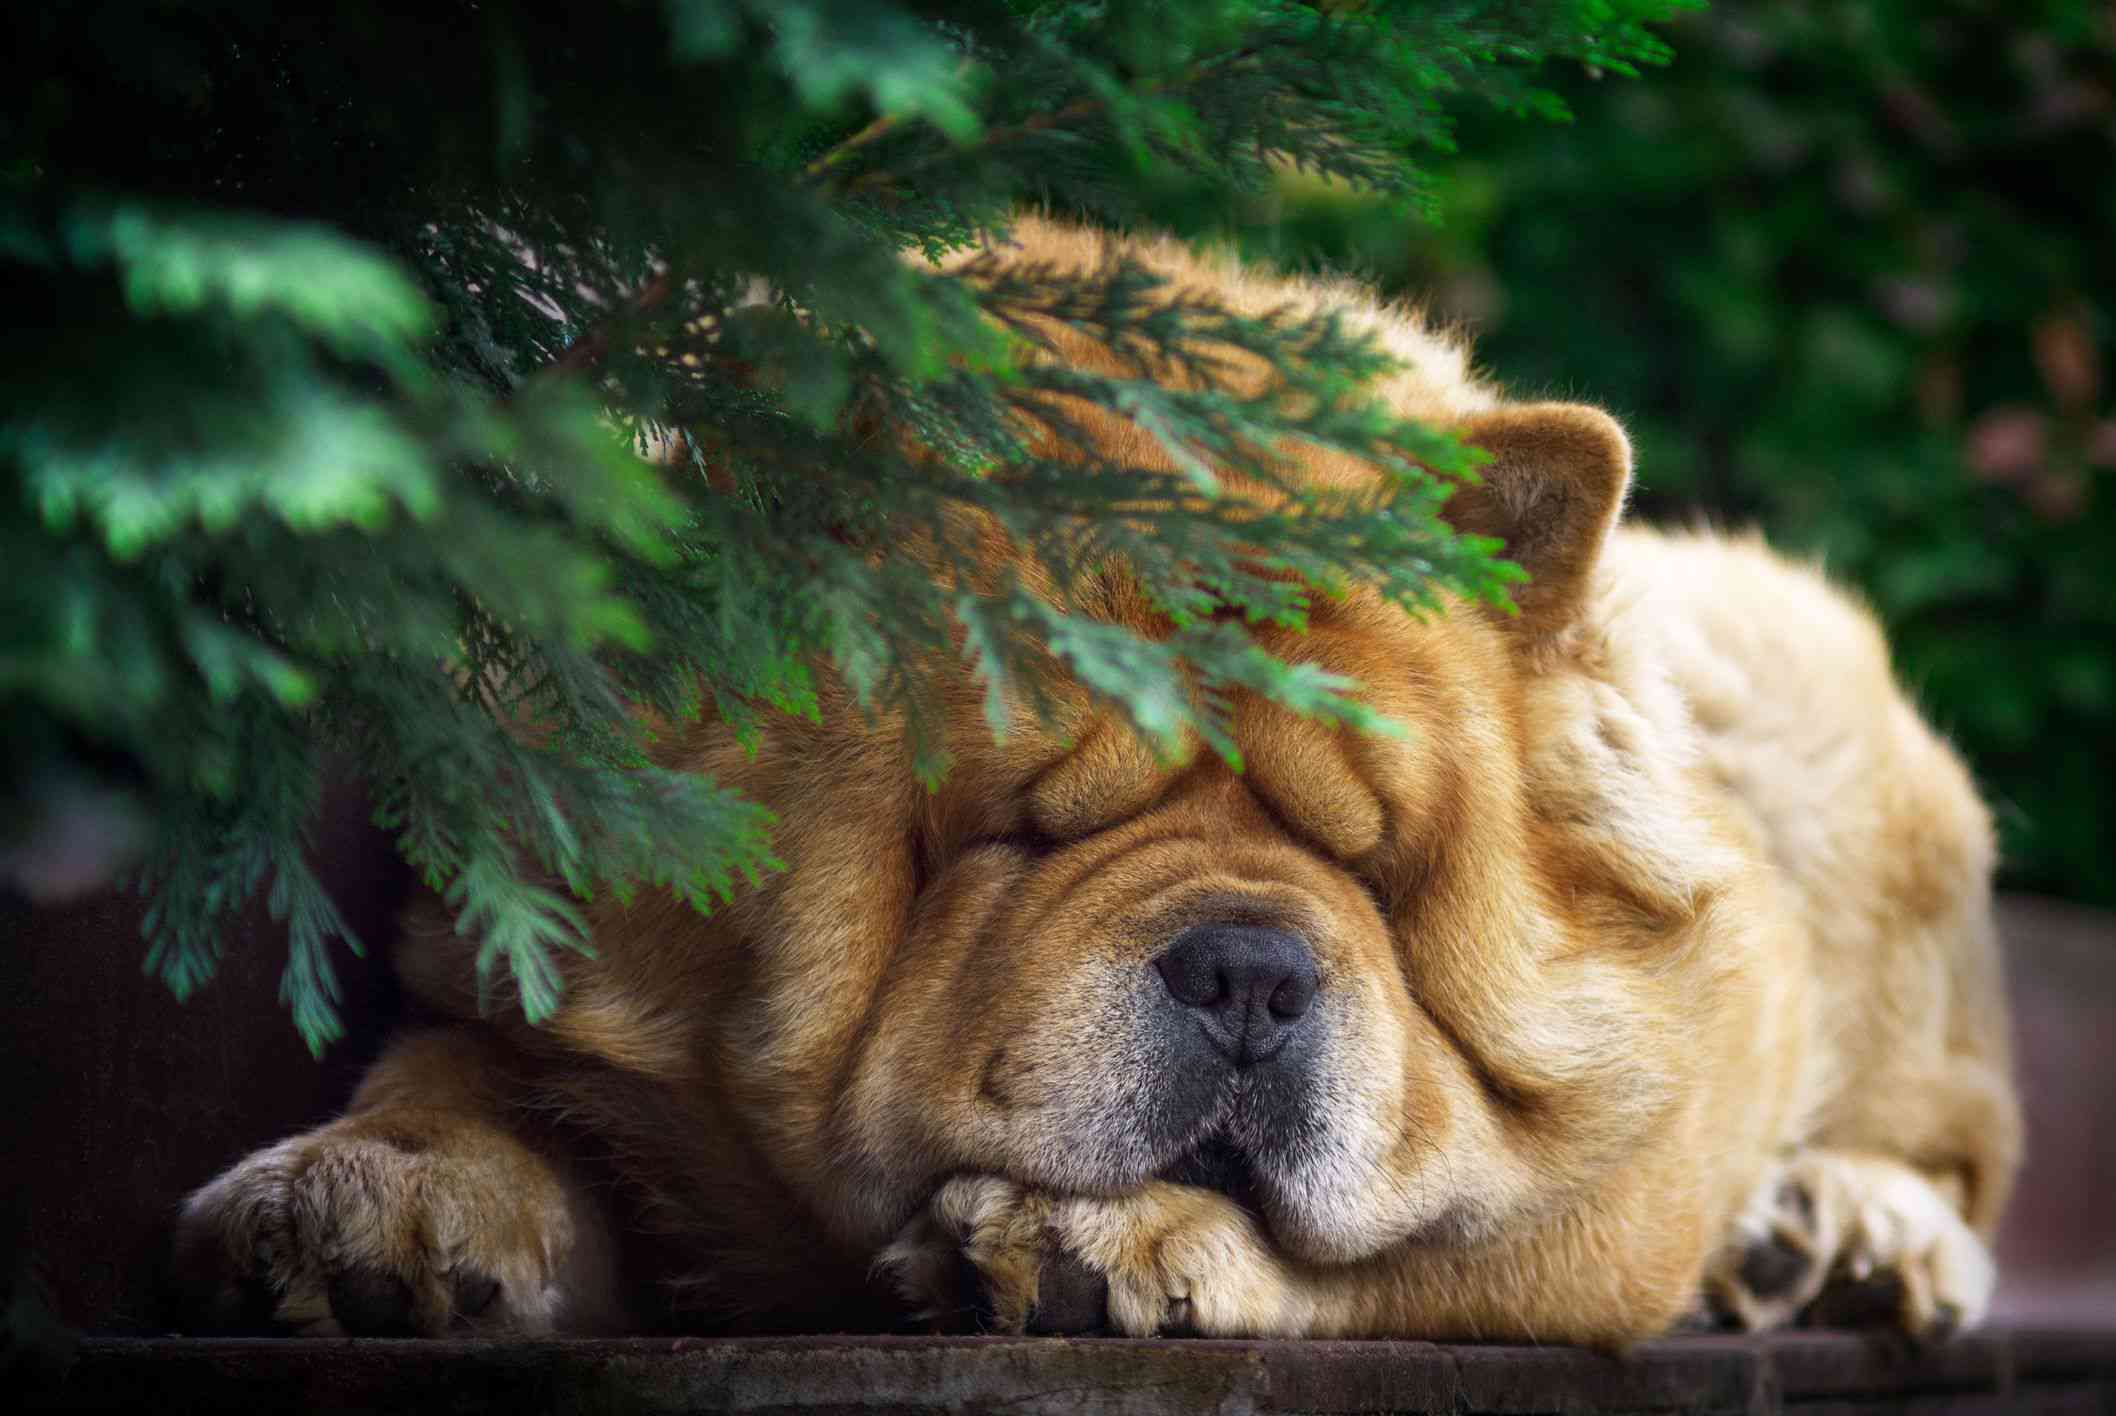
1847,269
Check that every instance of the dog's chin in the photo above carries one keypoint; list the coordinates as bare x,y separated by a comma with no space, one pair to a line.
1218,1163
1303,1220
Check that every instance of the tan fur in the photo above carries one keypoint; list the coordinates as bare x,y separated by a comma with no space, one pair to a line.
1663,932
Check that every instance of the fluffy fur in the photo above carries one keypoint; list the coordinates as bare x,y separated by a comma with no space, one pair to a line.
1653,965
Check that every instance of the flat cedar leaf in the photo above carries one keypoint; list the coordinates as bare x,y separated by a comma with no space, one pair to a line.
563,438
828,49
318,464
610,620
309,985
1145,413
520,924
1142,677
229,661
985,648
174,262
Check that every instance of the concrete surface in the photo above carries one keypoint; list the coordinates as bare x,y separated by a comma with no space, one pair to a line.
2017,1371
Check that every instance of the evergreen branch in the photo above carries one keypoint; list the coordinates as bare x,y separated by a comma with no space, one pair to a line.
994,139
586,354
280,498
883,125
1037,123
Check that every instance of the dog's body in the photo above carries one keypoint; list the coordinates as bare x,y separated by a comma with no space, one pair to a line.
1652,964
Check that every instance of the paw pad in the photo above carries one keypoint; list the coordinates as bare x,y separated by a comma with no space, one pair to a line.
370,1303
1844,1240
1775,1267
1071,1299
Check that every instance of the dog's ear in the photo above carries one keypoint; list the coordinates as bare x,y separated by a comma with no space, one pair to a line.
1552,492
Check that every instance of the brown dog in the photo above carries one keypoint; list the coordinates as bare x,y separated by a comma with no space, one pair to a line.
1653,965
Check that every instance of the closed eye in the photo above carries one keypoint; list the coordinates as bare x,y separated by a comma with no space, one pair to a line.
934,854
1028,842
1375,892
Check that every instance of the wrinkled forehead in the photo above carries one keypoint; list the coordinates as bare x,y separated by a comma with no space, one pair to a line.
1339,791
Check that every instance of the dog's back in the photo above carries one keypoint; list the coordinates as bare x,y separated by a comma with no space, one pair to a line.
1883,849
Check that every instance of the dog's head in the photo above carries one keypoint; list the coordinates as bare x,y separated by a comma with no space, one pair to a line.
1375,986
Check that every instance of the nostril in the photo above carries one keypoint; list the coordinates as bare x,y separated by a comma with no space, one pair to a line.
1291,998
1193,976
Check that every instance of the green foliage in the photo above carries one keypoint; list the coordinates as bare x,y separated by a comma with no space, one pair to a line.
1845,270
342,333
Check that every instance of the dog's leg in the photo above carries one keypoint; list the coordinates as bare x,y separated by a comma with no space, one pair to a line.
1852,1238
420,1212
1165,1259
1844,1236
1173,1260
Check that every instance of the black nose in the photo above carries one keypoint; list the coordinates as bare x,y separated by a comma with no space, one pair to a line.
1249,987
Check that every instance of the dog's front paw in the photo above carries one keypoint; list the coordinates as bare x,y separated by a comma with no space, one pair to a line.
973,1259
1845,1239
1164,1260
372,1230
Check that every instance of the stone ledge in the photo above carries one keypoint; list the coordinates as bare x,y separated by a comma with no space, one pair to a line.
2047,1371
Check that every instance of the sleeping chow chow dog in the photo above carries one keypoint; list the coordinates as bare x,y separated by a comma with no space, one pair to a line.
1647,975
